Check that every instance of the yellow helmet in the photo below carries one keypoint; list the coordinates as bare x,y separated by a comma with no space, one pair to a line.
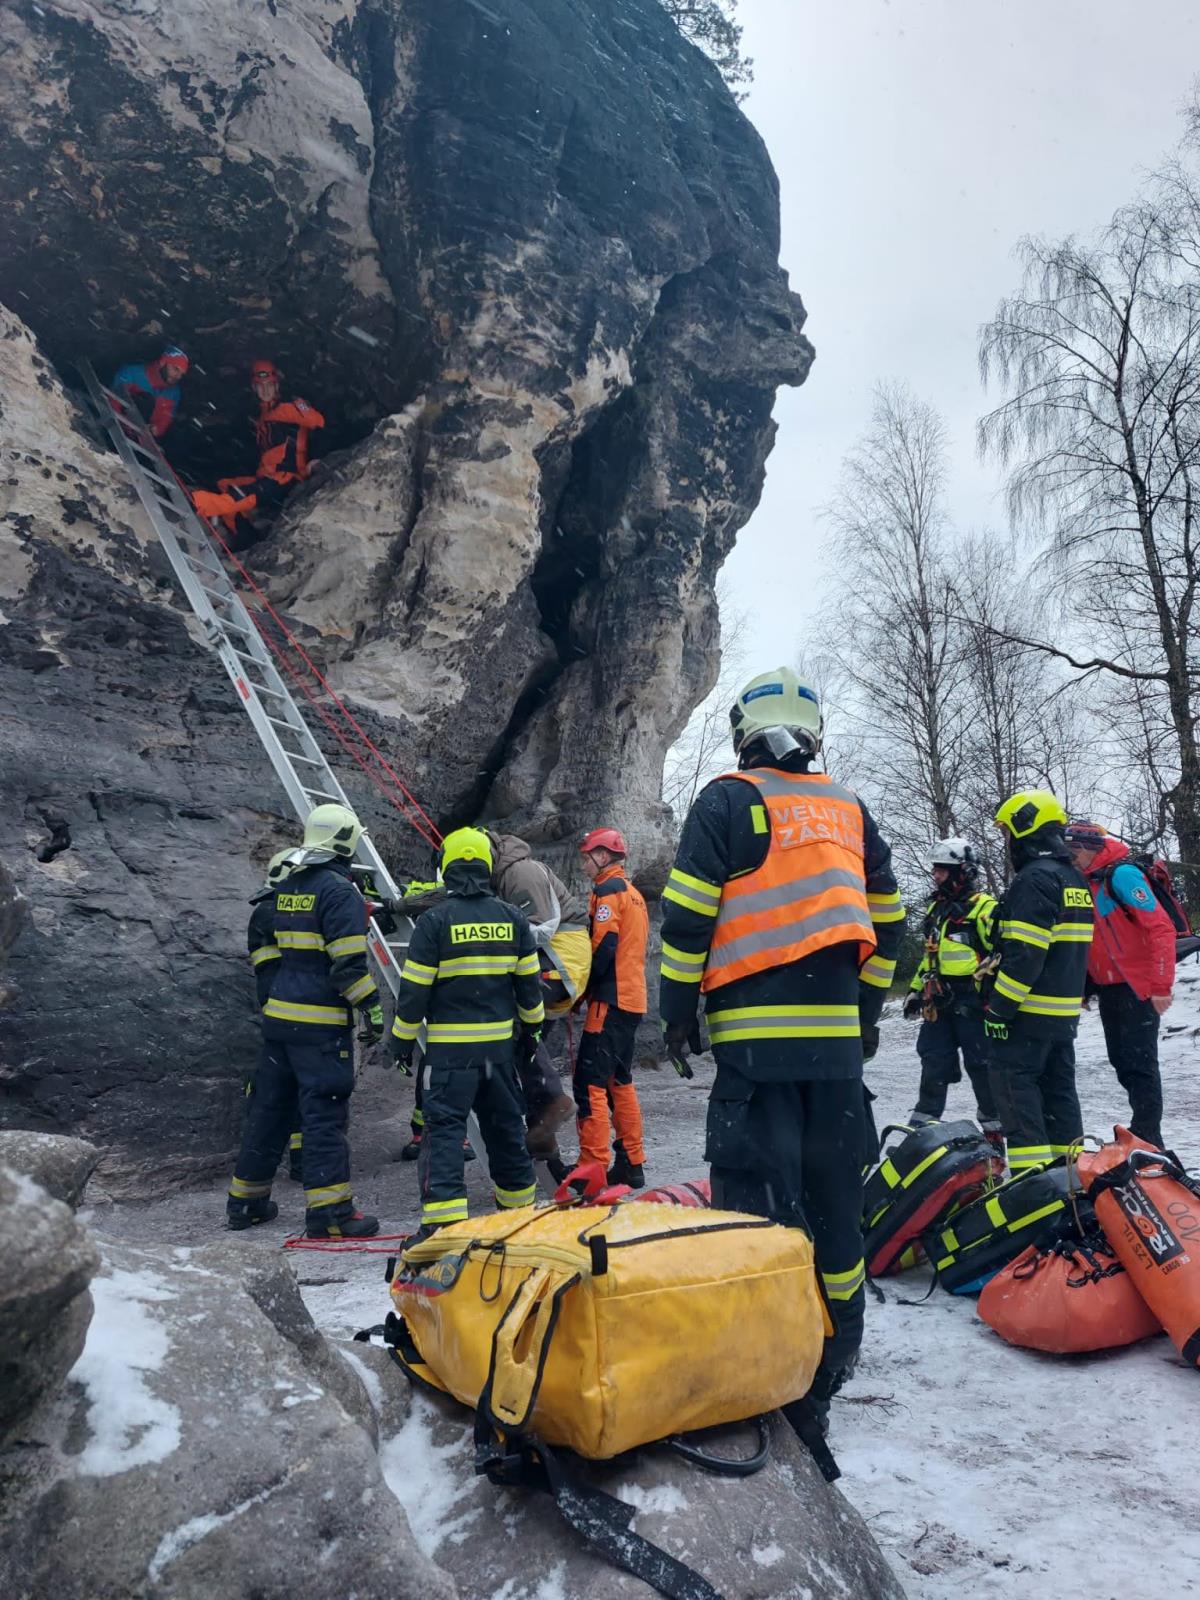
332,827
1028,810
466,844
776,701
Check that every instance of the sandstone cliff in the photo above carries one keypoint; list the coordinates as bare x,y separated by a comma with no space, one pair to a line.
523,255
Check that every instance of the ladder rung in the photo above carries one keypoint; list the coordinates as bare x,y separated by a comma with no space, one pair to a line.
194,561
228,622
261,688
290,726
292,755
322,794
171,488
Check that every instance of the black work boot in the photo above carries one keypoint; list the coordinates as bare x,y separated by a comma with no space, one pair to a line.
412,1149
625,1171
339,1222
556,1166
241,1214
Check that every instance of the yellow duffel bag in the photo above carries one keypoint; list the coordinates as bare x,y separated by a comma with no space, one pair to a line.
606,1327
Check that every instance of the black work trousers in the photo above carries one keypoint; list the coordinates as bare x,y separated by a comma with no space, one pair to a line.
316,1079
793,1152
455,1089
1131,1037
540,1087
1033,1085
955,1039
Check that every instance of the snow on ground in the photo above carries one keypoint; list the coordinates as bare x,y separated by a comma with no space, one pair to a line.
129,1426
982,1470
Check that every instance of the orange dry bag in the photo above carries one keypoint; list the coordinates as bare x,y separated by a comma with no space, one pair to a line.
1149,1208
1068,1298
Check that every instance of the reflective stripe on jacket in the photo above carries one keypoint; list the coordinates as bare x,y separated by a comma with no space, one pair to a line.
1043,935
964,938
471,974
809,891
320,927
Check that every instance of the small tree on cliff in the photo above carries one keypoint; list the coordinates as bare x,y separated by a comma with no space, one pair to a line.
710,24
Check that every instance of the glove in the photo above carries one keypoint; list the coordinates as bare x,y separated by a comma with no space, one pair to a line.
914,1004
870,1040
402,1055
370,1024
527,1045
994,1028
678,1039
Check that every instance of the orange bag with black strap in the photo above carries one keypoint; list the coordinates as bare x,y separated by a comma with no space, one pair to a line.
1149,1208
1067,1298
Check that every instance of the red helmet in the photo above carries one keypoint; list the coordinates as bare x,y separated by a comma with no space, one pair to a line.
604,839
263,369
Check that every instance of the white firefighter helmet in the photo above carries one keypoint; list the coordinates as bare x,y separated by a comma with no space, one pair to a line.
954,853
332,827
779,709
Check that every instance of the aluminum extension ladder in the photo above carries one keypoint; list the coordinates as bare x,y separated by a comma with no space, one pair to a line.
301,767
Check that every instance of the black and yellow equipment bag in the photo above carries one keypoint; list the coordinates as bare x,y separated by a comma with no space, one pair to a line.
934,1169
583,1329
1037,1208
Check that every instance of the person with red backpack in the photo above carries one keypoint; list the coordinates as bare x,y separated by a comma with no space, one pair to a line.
1131,966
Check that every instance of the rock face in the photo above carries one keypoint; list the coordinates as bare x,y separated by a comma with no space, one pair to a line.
61,1167
45,1307
523,255
781,1532
199,1448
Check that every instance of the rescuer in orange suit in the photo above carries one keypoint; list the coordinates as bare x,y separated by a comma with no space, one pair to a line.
616,1003
281,431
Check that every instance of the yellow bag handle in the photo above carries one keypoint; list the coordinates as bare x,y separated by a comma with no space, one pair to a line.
520,1346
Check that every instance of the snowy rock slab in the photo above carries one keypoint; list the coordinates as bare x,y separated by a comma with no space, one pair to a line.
194,1452
783,1534
45,1307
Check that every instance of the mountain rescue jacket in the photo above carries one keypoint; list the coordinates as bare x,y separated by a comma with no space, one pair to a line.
782,909
143,380
620,933
281,432
1043,935
964,931
471,974
1134,941
260,941
320,927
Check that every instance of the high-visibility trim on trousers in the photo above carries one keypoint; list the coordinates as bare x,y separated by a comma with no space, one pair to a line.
442,1211
240,1189
510,1199
333,1194
1023,1156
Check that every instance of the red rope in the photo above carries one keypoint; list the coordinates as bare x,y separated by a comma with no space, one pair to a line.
430,838
329,690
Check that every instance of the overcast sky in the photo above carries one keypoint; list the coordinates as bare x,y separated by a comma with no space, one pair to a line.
915,143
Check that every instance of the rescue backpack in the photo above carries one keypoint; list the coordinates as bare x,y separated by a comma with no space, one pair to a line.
1034,1209
1149,1208
564,1326
1067,1298
1158,875
936,1168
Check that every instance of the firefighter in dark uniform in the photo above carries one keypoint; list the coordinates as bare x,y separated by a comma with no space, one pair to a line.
472,977
782,910
264,953
320,979
958,936
1044,933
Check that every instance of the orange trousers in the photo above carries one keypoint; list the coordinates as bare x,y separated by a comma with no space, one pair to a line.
604,1078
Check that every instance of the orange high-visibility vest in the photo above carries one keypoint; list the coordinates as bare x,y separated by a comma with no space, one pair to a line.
809,892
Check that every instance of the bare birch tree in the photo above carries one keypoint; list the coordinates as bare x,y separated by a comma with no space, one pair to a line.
1100,354
891,626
